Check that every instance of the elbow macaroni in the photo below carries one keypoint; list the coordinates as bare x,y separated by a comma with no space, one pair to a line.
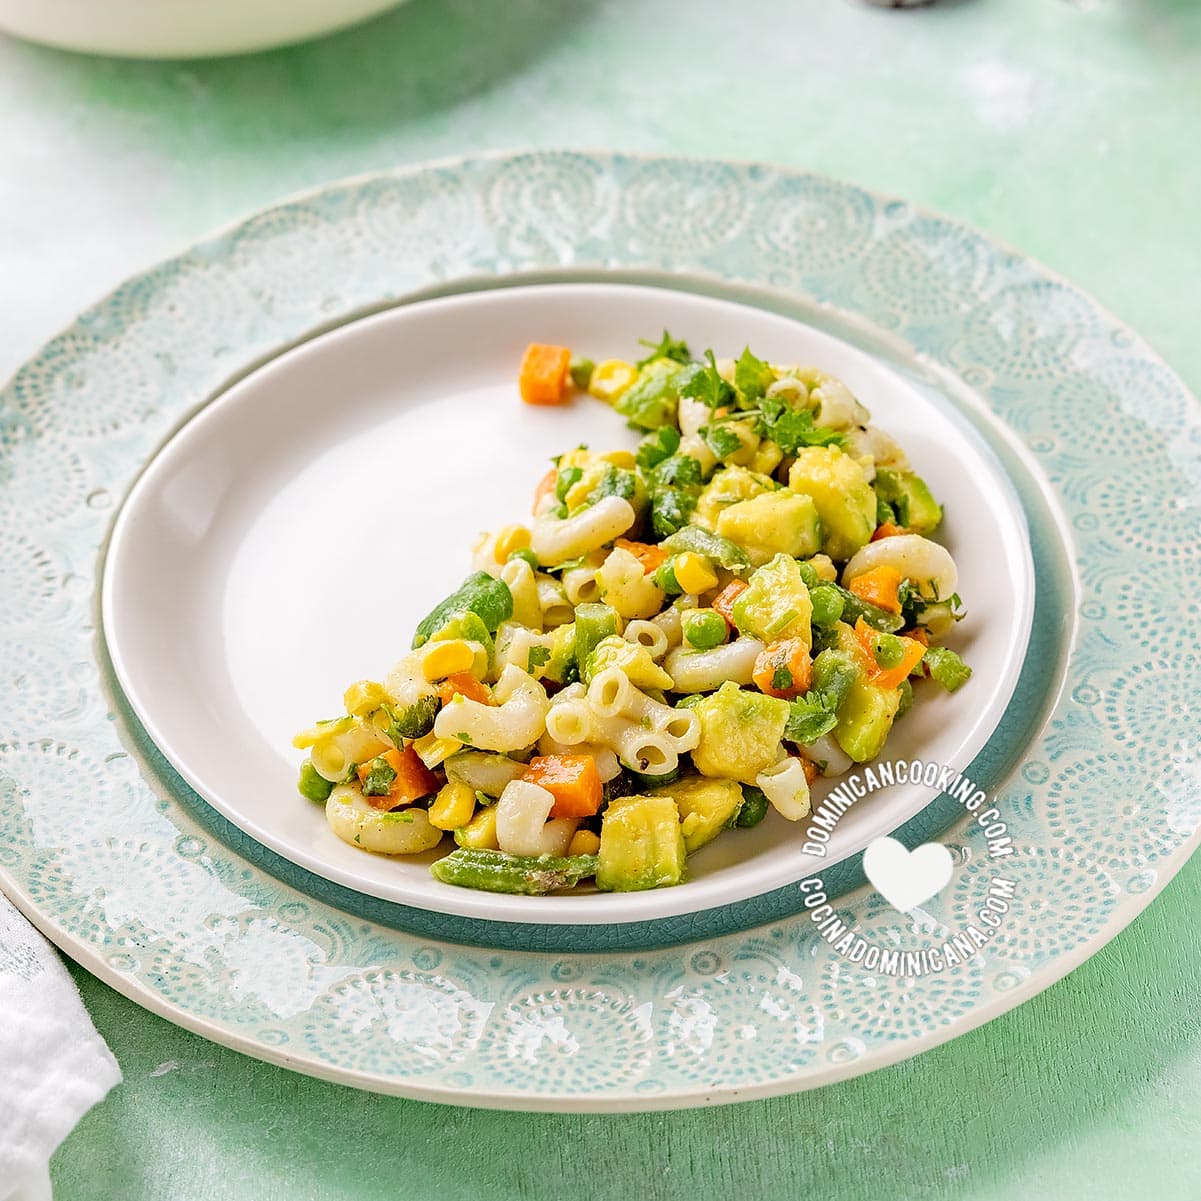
514,723
527,602
625,586
649,635
786,788
522,827
555,607
703,671
556,540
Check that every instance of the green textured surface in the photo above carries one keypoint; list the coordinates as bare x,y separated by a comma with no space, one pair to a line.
1068,130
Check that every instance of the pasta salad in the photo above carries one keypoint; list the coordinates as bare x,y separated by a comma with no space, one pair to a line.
680,638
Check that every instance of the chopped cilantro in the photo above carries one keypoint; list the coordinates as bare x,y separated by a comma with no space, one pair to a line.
811,716
615,482
650,402
671,510
752,376
667,348
790,429
379,777
411,721
721,440
657,446
703,382
676,471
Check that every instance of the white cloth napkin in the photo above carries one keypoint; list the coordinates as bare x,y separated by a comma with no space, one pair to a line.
54,1066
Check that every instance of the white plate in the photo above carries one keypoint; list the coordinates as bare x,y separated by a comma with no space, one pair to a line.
179,28
288,539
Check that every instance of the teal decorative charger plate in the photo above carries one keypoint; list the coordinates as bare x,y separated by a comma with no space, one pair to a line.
1093,767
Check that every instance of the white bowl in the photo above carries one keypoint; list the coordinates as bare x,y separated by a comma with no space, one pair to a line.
288,539
179,28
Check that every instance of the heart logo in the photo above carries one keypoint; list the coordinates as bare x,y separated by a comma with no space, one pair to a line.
904,878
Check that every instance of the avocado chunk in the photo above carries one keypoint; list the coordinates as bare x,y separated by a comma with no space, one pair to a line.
864,719
910,498
561,667
706,807
641,845
776,603
845,501
727,487
651,401
740,733
772,523
601,479
632,657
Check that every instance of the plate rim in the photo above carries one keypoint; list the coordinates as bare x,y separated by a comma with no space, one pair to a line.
1121,914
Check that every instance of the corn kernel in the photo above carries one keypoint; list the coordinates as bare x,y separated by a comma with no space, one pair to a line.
453,806
511,538
363,697
323,729
766,459
480,832
619,458
694,574
584,842
581,456
611,378
583,488
447,658
432,750
824,566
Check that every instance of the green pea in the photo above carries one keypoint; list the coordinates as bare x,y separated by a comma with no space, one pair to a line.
581,372
827,605
312,785
754,807
704,629
889,650
665,577
526,554
809,575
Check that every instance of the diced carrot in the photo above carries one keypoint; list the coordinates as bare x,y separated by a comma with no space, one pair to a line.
413,779
723,602
919,634
543,375
545,484
463,683
866,637
879,586
887,677
783,669
889,529
651,557
573,781
811,770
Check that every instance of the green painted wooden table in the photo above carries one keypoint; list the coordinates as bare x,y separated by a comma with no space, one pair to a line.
1067,129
